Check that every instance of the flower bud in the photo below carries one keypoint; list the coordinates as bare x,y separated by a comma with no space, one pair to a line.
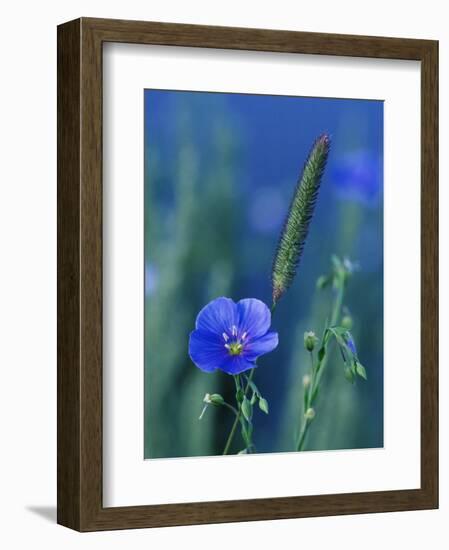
309,414
349,375
310,340
346,322
214,399
322,282
206,398
306,380
350,266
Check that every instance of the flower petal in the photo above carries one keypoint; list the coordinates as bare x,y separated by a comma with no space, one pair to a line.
235,364
207,350
261,345
351,345
218,316
254,317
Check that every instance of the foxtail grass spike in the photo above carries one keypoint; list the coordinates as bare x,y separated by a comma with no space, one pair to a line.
296,225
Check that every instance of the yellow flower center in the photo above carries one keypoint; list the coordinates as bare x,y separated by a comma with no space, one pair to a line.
235,348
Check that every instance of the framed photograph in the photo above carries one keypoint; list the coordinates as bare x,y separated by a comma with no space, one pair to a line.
247,274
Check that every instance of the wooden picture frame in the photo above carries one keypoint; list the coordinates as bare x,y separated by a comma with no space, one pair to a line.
80,504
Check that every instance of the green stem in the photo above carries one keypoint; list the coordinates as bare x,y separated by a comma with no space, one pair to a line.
232,433
309,389
317,371
302,435
336,314
238,416
231,408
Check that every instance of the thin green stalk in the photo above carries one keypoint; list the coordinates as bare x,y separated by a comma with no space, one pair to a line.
317,371
231,408
239,414
336,314
302,435
309,389
232,433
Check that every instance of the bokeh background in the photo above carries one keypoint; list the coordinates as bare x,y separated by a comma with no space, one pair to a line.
220,170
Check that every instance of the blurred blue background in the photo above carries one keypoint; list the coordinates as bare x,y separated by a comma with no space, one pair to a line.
220,170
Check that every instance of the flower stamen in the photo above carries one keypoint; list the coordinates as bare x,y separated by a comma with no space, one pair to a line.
235,348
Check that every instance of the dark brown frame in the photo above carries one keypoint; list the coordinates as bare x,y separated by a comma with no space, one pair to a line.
80,274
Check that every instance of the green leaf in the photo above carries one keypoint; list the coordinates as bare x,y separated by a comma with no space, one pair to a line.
247,408
340,331
240,395
336,262
321,353
250,432
253,386
349,375
343,336
247,430
323,281
263,405
360,370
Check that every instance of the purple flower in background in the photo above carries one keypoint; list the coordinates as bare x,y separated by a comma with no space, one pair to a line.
266,209
358,176
230,337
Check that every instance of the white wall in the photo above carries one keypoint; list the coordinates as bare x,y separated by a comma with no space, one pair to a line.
28,272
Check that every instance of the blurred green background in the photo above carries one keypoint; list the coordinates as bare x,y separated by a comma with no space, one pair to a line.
220,170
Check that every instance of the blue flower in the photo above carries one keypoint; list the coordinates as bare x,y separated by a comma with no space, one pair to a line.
351,344
358,176
230,337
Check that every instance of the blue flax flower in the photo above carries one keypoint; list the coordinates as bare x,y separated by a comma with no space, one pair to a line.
351,345
230,337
